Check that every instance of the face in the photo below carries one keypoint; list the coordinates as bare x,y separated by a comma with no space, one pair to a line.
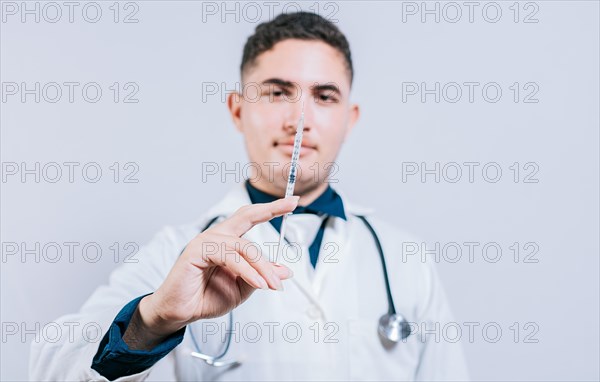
267,111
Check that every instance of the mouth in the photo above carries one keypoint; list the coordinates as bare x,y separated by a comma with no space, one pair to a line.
287,148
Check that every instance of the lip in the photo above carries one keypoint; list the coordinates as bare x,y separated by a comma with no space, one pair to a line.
288,148
306,142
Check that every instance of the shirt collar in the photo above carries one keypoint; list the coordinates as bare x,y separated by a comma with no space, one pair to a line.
328,203
238,197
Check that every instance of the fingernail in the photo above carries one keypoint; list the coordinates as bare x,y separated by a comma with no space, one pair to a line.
261,282
278,284
290,273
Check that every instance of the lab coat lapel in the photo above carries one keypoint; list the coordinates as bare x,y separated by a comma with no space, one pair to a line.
335,247
266,233
332,253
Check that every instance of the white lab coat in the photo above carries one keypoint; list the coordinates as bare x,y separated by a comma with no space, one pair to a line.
322,327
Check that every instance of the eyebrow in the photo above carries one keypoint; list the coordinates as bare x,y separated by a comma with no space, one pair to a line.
329,86
279,82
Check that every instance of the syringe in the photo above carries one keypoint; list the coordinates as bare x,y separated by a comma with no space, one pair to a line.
289,191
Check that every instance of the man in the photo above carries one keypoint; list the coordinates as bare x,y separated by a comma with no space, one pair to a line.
195,289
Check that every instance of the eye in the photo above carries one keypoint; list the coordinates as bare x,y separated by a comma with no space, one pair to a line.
327,97
275,93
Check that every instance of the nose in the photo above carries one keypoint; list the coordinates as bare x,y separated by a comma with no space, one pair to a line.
295,111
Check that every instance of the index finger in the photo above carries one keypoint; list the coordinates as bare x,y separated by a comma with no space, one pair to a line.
248,216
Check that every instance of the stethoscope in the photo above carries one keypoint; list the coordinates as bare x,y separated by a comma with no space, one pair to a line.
392,326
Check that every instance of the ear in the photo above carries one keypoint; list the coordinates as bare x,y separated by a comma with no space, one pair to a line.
234,103
354,114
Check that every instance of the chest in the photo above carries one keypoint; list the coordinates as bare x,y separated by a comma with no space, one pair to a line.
322,326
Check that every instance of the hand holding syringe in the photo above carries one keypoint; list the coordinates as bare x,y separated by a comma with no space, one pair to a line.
289,191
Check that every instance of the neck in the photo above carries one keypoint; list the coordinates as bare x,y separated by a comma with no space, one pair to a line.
308,193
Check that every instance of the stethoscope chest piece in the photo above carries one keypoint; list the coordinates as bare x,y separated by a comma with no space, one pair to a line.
393,327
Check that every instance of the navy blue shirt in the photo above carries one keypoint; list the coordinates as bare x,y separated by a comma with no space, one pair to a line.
114,359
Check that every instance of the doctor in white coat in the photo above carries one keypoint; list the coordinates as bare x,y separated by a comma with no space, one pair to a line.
205,302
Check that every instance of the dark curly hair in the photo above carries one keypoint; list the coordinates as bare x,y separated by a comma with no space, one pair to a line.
298,25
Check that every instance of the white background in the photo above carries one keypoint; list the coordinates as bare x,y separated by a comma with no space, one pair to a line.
171,132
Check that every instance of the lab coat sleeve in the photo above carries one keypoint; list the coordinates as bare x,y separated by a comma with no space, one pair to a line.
71,358
442,357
